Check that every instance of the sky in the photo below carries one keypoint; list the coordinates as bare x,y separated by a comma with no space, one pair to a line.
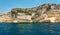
7,5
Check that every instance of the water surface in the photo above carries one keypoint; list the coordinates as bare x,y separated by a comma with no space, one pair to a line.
33,28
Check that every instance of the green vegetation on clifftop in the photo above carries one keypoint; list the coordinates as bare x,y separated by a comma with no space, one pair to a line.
22,10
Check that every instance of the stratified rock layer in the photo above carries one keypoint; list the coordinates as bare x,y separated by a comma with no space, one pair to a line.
43,13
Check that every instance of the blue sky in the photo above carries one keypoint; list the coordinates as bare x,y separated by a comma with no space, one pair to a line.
7,5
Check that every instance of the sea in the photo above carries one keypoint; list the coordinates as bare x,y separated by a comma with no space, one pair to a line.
30,28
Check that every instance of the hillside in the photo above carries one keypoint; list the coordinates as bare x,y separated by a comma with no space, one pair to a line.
42,13
49,12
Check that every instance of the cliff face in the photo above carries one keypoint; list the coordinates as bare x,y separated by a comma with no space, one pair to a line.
49,12
43,13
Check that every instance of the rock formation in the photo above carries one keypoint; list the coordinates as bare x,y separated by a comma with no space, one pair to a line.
43,13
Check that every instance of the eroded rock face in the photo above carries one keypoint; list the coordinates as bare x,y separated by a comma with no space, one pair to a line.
5,18
51,10
43,13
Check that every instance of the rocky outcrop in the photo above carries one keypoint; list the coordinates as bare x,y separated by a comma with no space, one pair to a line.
52,12
5,18
43,13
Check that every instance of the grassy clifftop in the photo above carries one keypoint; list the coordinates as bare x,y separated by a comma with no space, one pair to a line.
22,10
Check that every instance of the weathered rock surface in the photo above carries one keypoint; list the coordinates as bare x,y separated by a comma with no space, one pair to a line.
48,12
43,13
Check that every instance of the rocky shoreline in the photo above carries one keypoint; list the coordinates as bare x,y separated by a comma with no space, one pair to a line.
43,13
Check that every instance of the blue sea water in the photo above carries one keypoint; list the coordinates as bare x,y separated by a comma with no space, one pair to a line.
33,28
